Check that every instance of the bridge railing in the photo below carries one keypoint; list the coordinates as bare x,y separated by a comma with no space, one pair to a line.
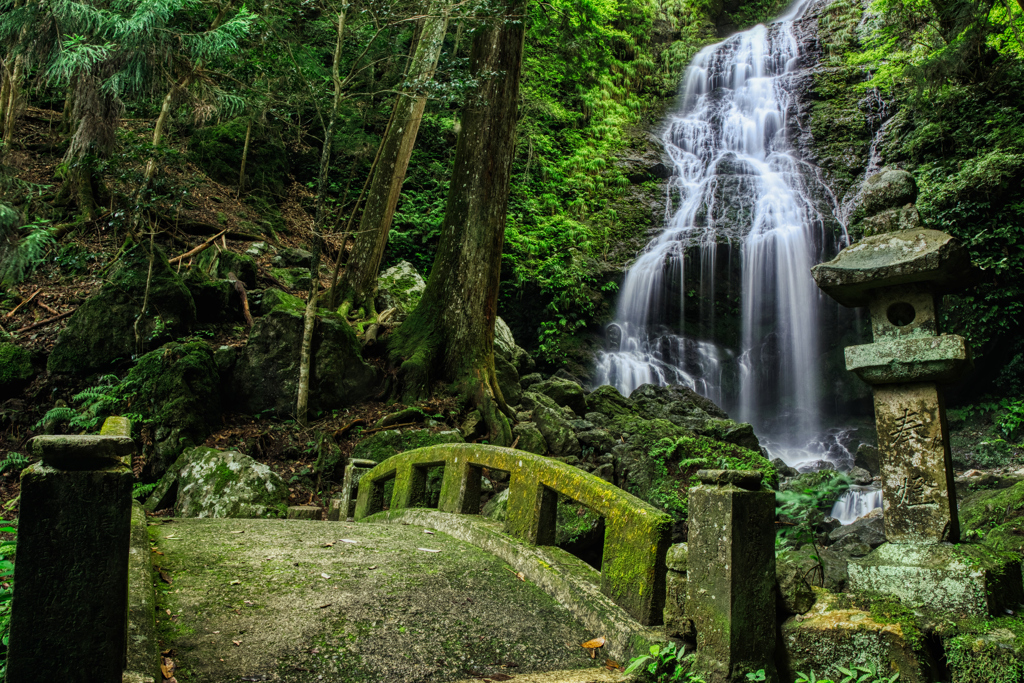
637,535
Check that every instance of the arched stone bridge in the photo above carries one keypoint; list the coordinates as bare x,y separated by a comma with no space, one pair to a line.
637,535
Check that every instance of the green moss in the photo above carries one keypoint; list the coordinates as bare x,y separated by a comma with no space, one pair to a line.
990,650
886,610
218,151
382,445
15,365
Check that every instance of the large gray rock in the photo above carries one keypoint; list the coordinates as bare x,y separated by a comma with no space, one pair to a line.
266,375
530,438
888,189
677,404
508,380
869,530
111,325
869,458
399,287
214,483
553,425
795,594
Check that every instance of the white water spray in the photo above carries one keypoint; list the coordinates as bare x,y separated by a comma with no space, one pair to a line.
737,193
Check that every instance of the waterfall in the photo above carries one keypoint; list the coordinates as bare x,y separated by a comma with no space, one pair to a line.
742,233
855,503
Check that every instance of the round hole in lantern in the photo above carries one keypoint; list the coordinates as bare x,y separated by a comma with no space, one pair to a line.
901,314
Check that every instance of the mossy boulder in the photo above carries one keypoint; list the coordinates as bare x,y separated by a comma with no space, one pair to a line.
297,279
553,424
888,189
218,151
15,369
382,445
266,374
996,518
216,300
677,404
399,287
992,652
216,264
609,402
112,326
508,380
563,392
214,483
529,438
176,388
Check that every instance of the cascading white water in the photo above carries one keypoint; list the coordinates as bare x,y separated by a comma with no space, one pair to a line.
855,503
738,194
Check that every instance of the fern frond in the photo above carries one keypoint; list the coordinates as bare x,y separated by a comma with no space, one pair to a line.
20,261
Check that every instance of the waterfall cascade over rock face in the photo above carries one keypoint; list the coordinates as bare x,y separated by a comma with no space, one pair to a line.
722,300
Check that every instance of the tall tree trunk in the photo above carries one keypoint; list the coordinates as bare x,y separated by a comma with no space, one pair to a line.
245,156
13,101
305,351
450,335
96,114
359,284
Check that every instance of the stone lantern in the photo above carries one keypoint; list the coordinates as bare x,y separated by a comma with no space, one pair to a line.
900,276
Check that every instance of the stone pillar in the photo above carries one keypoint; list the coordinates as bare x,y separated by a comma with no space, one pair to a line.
344,508
730,587
900,276
69,615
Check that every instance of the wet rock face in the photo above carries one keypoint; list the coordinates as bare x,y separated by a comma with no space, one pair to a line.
112,326
214,483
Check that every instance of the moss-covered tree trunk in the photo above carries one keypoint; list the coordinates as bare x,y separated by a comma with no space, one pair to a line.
359,284
450,335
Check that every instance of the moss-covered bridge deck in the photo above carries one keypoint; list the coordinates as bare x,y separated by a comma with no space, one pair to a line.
301,601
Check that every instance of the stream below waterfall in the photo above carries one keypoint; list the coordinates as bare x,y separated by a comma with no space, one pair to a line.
746,218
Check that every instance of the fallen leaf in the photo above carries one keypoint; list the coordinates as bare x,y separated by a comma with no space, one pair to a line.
168,612
323,606
167,667
347,540
237,643
594,644
173,538
428,531
164,576
238,532
611,664
373,567
234,583
428,550
216,631
329,545
326,576
250,603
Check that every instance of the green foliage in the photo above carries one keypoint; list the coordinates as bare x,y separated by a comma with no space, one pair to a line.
140,491
852,674
800,506
887,610
666,662
987,650
7,550
26,249
96,403
14,461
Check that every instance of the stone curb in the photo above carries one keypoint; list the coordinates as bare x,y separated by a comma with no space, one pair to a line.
143,648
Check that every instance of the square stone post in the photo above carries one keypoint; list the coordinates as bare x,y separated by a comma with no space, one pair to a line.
900,276
69,614
730,587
